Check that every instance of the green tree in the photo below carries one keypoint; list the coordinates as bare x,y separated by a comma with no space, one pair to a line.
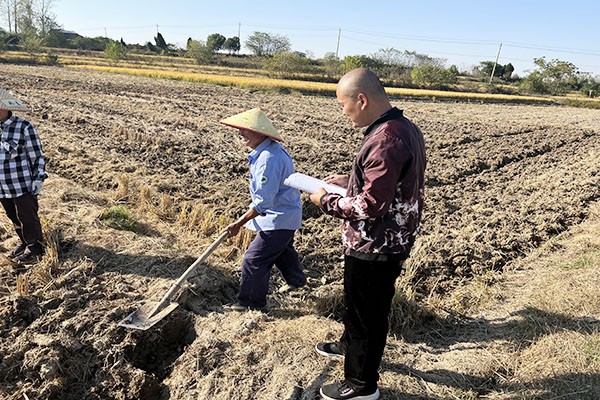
31,42
267,44
485,69
286,64
232,44
161,43
332,64
215,41
432,76
115,51
534,83
45,19
413,59
351,62
55,38
553,77
98,43
389,56
151,47
51,58
200,52
588,85
508,71
9,11
556,73
3,39
393,65
26,17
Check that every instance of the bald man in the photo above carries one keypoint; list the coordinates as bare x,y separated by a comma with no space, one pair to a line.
381,215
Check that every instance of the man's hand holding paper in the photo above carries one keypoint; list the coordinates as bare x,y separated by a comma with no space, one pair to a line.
309,184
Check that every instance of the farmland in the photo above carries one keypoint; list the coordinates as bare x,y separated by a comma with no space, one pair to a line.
505,183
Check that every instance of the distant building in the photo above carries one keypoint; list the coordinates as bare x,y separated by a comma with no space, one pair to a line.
67,34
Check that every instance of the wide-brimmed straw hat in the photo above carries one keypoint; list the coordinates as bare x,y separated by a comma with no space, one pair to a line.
254,120
8,102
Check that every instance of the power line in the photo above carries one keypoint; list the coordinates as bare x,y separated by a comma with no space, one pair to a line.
480,42
422,39
555,49
291,28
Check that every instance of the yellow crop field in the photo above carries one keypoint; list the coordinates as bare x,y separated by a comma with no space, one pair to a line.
266,83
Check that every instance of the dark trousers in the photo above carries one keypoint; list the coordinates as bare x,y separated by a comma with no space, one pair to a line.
368,292
268,248
23,212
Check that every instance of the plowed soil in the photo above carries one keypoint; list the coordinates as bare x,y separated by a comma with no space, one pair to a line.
501,181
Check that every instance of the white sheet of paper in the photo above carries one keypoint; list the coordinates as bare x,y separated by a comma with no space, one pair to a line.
309,184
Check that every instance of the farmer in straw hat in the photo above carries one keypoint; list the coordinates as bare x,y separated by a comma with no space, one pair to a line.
275,212
22,173
381,215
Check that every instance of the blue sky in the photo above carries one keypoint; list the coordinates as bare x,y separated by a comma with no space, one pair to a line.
462,32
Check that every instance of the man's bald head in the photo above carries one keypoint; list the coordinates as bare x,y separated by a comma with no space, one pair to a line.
361,80
362,97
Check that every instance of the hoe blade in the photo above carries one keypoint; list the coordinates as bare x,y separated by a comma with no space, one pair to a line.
139,319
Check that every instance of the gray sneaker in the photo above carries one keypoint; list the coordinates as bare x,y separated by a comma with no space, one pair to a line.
329,349
343,391
29,257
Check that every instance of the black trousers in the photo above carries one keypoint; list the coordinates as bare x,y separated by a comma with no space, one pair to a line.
368,293
23,212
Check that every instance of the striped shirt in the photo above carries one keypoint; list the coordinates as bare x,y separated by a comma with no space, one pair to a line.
21,157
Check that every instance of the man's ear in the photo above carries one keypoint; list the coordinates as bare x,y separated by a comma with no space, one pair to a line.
362,100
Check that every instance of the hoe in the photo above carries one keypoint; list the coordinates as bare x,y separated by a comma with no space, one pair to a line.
142,321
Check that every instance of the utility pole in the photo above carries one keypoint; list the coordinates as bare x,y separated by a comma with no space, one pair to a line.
337,49
495,63
105,35
239,38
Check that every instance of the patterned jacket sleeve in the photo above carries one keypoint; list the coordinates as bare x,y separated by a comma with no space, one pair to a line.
382,163
35,154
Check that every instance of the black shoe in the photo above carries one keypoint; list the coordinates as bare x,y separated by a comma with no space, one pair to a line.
341,391
18,250
29,257
329,349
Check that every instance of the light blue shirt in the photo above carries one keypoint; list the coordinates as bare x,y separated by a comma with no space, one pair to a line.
278,205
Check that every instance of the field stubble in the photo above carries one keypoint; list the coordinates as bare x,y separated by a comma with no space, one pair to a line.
502,180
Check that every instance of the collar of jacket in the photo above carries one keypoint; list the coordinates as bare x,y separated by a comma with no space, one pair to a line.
392,113
263,145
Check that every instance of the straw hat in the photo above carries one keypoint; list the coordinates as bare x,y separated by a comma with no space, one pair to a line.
8,102
254,120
